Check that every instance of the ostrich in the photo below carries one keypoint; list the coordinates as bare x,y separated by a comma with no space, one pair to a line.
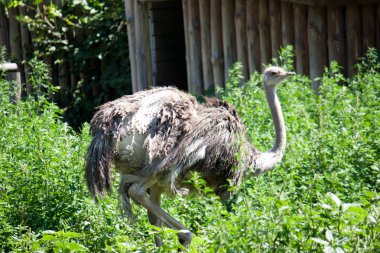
156,138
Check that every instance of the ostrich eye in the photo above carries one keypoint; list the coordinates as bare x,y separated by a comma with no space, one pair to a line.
272,73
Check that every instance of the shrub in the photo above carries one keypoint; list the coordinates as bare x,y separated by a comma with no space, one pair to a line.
85,42
323,197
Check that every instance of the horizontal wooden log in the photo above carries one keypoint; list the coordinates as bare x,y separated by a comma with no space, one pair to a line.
8,67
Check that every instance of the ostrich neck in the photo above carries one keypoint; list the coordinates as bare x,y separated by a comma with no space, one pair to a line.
278,120
267,160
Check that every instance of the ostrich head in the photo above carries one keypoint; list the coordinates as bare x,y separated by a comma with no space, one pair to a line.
275,75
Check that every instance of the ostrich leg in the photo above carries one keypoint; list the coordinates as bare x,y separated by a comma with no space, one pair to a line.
138,193
155,196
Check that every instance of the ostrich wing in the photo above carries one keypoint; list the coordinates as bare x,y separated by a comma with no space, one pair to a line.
211,147
133,130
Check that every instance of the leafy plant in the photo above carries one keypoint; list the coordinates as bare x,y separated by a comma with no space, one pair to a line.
85,42
323,197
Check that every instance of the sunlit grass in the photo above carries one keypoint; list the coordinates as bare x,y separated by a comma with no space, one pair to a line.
322,197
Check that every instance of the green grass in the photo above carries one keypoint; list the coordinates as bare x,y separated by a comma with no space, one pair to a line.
323,197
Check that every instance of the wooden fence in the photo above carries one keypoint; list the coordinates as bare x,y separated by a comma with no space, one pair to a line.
252,31
15,38
18,42
216,33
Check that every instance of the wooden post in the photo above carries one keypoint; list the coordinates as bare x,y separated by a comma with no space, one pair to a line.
241,35
147,44
185,8
153,45
141,61
275,26
354,36
204,10
4,37
300,33
265,40
317,42
129,13
253,36
217,43
15,43
336,36
378,25
26,46
14,35
196,85
368,26
229,42
63,66
287,23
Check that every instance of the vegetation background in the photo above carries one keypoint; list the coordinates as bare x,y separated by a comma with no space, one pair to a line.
85,45
324,196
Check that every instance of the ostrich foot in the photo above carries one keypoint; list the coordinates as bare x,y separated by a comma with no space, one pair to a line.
185,237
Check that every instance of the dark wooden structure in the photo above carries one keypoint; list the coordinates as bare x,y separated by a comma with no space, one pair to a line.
192,43
18,43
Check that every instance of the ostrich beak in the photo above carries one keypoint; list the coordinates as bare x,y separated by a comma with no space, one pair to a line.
290,73
286,74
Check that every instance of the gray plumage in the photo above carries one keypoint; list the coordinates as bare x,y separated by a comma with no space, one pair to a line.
155,138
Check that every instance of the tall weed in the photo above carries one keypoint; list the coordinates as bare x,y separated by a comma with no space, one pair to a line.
323,197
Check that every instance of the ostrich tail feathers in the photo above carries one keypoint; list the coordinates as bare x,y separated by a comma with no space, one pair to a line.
98,160
100,155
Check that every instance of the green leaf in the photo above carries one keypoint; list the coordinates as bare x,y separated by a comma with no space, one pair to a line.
72,246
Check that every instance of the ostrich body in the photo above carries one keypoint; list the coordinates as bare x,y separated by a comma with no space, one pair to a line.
156,138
